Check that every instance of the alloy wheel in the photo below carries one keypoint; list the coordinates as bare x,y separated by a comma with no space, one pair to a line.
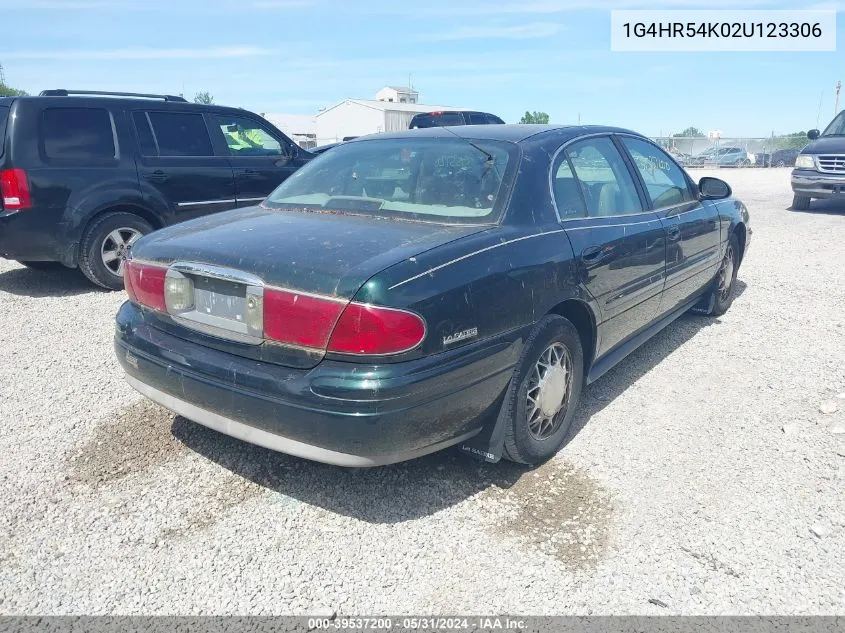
115,247
549,389
726,274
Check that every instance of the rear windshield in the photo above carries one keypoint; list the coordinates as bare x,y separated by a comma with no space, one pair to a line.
4,114
444,180
438,120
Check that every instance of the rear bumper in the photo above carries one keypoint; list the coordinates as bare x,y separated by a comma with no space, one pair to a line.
339,413
36,235
817,185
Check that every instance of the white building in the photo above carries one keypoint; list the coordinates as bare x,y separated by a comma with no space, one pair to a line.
356,117
396,94
301,128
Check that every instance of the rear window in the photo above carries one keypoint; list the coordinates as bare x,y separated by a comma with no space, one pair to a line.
180,134
78,134
4,114
438,120
444,180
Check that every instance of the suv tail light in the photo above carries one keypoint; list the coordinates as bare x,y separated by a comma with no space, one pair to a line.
144,284
14,189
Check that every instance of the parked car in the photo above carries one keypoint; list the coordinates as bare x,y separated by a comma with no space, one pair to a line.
733,157
820,167
410,291
708,156
784,157
84,174
453,117
763,159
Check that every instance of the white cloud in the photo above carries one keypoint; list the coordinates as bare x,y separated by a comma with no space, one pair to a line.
143,53
518,32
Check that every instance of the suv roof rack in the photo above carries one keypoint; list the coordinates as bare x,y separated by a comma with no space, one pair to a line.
64,93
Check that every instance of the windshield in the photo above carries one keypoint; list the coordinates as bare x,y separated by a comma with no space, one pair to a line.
836,127
444,180
4,114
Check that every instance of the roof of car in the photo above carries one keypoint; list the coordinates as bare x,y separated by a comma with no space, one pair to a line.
157,103
515,132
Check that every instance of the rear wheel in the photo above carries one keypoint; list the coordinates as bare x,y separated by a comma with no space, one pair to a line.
43,265
800,203
544,392
105,245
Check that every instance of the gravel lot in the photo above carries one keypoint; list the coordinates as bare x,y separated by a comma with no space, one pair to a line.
705,477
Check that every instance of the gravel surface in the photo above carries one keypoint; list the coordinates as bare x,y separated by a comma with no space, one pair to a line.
707,475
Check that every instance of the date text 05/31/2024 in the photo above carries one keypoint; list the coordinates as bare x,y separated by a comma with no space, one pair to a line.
417,624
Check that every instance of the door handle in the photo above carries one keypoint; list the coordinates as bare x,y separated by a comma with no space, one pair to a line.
592,254
156,176
250,173
673,233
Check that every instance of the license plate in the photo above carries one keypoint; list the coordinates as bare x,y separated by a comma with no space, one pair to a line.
220,298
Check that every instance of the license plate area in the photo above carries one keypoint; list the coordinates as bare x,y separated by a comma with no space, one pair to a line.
224,303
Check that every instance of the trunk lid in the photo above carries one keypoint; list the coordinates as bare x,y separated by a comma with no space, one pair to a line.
327,254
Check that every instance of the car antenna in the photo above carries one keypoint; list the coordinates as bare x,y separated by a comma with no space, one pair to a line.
490,158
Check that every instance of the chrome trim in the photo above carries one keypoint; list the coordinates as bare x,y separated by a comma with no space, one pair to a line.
482,250
262,199
218,272
275,442
608,226
204,202
835,163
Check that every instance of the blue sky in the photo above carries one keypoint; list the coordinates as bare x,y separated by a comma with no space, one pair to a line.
503,56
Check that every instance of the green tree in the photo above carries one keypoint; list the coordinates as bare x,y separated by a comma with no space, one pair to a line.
204,97
690,131
6,91
795,140
535,117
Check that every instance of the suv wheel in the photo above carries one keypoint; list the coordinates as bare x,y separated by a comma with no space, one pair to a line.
544,392
800,203
105,244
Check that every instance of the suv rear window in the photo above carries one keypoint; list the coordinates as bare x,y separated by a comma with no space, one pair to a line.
438,120
181,134
78,134
4,114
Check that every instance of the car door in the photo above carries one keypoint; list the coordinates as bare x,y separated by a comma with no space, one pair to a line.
692,228
619,245
177,168
261,157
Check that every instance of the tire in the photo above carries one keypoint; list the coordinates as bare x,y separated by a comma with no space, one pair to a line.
100,241
554,338
44,265
800,203
717,301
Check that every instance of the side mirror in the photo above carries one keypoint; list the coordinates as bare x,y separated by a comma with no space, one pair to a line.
713,189
813,135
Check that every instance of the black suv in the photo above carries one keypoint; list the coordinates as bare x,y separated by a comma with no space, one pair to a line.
84,174
453,117
820,167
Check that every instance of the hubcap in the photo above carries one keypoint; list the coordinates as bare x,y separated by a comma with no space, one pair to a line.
726,274
549,386
116,246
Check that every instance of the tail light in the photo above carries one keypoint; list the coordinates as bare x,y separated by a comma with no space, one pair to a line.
337,326
367,329
14,189
144,284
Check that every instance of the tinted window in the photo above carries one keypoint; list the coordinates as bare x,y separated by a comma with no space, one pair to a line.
247,137
494,119
181,134
568,198
146,140
606,182
77,134
664,180
438,180
438,120
477,118
4,114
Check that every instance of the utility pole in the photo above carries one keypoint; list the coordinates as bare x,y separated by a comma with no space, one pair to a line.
2,76
836,107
